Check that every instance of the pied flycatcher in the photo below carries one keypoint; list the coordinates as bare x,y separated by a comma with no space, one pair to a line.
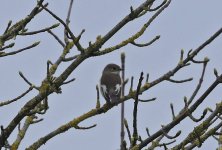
110,83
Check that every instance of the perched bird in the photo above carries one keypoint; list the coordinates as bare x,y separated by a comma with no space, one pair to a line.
110,83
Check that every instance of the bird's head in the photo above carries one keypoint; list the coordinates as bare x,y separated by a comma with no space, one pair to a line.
112,68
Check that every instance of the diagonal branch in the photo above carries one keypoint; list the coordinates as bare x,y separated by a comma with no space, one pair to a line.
75,40
135,36
14,30
40,31
180,116
57,38
20,50
15,99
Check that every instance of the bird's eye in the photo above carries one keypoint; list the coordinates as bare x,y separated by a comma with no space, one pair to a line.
113,68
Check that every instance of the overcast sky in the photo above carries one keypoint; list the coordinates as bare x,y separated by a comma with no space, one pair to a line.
183,25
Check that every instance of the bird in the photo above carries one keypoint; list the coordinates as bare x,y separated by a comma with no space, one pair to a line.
110,83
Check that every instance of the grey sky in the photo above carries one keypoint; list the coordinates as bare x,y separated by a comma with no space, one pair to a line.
183,25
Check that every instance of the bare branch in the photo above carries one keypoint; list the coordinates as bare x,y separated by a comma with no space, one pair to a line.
146,44
205,136
216,73
180,81
200,130
69,81
158,7
171,137
135,36
126,81
147,77
168,143
135,133
17,27
181,116
68,21
8,26
201,62
40,108
97,93
95,46
127,129
80,48
27,81
199,84
8,46
17,98
85,128
6,144
70,58
131,84
172,110
22,132
40,31
122,116
105,108
20,50
147,100
197,120
181,57
147,131
56,37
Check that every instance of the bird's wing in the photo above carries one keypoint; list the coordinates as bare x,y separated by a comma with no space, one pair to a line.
104,92
114,93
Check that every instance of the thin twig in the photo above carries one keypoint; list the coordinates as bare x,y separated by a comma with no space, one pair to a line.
127,129
13,31
169,136
172,110
136,35
80,48
68,21
97,100
131,84
198,85
195,119
7,46
146,44
69,81
27,81
148,132
180,81
40,31
158,7
20,50
85,128
8,26
56,37
70,58
147,77
147,100
17,98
